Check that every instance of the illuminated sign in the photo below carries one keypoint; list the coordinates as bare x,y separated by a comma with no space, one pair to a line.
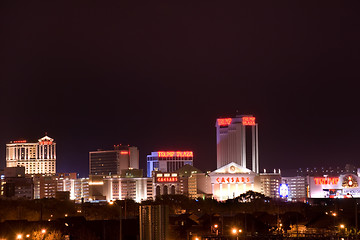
326,180
232,179
224,121
175,154
45,142
349,181
20,141
284,190
166,179
124,152
248,121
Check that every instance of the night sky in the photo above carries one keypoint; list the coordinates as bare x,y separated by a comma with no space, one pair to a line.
157,74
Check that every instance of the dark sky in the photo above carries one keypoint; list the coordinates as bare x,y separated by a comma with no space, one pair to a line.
157,74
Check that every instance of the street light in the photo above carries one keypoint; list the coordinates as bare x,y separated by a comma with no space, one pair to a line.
216,228
43,231
19,236
235,231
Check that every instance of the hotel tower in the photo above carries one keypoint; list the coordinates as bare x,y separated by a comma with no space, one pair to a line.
237,141
37,158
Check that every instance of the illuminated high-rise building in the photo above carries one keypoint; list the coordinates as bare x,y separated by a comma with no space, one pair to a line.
111,162
168,161
237,141
37,158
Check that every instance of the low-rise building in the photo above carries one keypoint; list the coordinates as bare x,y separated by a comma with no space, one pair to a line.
297,188
270,184
112,188
199,185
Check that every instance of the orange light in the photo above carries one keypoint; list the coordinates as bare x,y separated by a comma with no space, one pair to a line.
43,230
234,230
20,141
248,121
175,154
19,236
224,121
124,152
216,226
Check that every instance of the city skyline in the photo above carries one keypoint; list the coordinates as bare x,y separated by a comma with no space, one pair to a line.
158,76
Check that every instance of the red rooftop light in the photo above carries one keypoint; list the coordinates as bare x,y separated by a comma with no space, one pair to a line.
224,121
248,121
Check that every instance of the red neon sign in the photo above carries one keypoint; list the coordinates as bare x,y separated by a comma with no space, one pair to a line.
224,121
124,152
232,179
20,141
248,121
326,180
45,142
175,154
167,179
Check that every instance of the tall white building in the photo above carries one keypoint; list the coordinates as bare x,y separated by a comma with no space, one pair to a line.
237,141
37,158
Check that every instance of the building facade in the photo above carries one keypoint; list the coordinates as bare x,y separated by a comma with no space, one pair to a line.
237,141
199,185
37,158
16,184
112,188
270,184
168,161
297,188
111,162
166,184
339,186
232,180
154,222
50,186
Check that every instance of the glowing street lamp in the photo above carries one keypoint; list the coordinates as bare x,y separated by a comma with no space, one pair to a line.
235,231
19,236
342,226
43,231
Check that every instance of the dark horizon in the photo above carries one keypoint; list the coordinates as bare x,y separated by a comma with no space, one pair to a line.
157,75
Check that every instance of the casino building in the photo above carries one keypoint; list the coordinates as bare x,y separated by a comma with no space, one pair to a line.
232,180
168,161
237,141
340,186
37,158
166,183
